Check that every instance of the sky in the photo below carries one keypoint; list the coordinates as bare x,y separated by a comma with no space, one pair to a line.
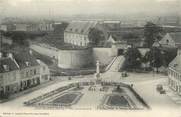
74,7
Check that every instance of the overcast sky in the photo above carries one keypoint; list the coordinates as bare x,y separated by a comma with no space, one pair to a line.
72,7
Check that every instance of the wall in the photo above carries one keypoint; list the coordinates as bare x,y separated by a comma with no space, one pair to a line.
104,55
45,50
75,58
78,58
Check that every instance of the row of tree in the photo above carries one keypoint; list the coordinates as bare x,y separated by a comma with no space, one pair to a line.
156,58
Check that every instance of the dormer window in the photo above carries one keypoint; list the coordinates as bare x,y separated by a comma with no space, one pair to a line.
27,63
6,67
175,65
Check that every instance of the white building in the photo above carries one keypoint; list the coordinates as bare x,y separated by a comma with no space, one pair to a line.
77,32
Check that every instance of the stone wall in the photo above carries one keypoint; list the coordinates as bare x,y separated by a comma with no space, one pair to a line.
72,59
77,58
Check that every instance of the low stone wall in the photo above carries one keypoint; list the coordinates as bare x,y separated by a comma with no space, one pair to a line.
45,50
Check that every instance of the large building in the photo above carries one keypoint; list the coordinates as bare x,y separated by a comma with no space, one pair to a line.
174,73
77,32
21,71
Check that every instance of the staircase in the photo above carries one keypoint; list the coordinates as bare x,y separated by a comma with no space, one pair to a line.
110,64
116,64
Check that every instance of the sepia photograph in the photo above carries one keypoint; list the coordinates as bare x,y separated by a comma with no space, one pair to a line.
84,58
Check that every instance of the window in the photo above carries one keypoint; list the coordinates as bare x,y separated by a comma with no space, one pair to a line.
31,72
27,74
34,71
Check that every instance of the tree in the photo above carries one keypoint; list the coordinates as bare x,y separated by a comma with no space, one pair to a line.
155,57
168,55
152,32
133,58
96,36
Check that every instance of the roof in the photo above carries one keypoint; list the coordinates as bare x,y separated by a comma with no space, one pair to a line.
143,51
7,64
176,63
25,59
80,27
175,36
116,37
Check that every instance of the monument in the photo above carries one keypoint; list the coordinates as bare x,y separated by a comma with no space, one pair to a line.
98,74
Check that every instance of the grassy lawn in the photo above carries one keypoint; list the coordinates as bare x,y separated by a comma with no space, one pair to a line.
116,100
66,99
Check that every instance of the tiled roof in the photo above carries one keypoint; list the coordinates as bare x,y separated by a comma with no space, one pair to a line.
25,59
80,27
9,63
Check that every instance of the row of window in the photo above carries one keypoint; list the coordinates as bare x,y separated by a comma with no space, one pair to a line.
174,85
78,43
75,36
29,73
10,76
175,75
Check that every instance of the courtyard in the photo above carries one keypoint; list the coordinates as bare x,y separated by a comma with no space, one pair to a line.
143,84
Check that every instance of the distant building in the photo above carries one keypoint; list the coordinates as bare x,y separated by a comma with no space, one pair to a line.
114,40
21,27
3,27
46,26
174,73
171,40
7,27
21,71
33,27
77,32
6,40
124,41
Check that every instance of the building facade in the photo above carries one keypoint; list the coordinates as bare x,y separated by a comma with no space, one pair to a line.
21,71
174,74
77,32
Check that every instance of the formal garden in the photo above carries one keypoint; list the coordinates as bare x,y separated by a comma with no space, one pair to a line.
104,95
